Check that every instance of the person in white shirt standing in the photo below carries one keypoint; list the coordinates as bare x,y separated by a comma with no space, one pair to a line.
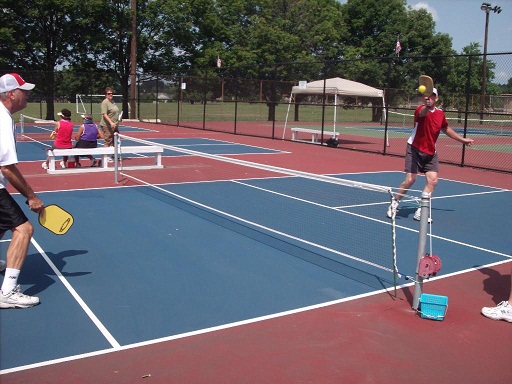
14,92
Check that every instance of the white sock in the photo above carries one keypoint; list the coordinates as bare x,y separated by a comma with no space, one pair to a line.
10,280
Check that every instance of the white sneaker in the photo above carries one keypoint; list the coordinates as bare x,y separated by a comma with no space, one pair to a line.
503,311
44,165
16,299
3,264
63,164
393,208
417,216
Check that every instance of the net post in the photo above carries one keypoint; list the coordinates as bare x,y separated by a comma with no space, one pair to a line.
393,240
116,167
22,125
422,246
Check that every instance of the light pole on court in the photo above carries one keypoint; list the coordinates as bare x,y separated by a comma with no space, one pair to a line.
487,8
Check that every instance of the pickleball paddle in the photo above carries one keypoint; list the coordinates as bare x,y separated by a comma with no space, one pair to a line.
56,219
428,83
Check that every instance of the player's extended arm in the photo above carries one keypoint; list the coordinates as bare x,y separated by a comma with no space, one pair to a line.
454,135
14,176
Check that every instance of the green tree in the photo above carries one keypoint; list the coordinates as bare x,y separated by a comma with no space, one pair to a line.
373,29
508,87
257,33
40,36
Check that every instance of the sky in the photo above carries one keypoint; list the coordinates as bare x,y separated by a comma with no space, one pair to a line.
464,21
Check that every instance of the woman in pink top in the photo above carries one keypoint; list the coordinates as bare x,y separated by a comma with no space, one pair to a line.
63,131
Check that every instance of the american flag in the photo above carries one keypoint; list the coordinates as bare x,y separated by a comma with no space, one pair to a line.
398,47
219,62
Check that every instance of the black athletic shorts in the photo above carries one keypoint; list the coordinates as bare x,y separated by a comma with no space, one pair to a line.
11,214
417,161
86,144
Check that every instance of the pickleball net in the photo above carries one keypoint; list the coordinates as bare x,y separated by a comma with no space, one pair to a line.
340,219
34,129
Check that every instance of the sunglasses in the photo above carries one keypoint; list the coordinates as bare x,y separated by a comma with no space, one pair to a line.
109,93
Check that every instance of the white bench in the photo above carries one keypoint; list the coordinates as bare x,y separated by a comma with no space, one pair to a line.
105,153
316,134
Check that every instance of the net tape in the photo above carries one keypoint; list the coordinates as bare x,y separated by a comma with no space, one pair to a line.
35,130
29,124
285,171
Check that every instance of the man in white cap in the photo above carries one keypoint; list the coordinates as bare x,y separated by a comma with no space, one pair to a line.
421,155
14,93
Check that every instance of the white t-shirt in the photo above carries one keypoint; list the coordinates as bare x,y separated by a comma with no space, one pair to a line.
8,153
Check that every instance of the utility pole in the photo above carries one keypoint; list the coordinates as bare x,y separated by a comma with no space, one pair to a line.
133,59
487,8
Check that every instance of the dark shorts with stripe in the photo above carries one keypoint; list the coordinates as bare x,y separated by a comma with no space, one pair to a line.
417,161
11,214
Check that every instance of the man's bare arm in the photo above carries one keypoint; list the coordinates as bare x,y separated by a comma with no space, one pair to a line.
14,176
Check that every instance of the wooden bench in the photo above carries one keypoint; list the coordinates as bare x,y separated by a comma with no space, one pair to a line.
105,153
316,135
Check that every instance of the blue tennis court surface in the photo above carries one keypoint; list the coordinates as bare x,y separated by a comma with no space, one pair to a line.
141,264
35,150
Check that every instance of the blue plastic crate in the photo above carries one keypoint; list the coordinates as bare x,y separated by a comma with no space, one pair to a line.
433,307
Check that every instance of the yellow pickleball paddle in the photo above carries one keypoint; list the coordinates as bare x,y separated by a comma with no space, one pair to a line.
56,219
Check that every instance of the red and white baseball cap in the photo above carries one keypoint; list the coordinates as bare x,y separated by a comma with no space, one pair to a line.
12,81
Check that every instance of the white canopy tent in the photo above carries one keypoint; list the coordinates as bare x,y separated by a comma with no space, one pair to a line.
336,86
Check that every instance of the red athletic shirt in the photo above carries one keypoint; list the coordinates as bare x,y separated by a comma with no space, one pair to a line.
64,133
426,130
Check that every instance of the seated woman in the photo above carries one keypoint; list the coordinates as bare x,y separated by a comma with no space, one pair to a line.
87,137
63,132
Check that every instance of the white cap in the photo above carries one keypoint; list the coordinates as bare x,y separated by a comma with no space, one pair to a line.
12,81
434,90
65,113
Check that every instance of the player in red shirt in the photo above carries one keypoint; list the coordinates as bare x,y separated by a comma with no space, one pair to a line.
421,155
63,130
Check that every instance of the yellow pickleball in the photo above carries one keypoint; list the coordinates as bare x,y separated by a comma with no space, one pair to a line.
422,88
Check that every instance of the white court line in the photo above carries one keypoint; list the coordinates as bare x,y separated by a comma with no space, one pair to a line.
470,194
215,143
200,331
34,140
117,347
235,324
284,234
339,209
77,297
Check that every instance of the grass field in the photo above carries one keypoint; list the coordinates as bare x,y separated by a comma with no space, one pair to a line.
216,111
259,112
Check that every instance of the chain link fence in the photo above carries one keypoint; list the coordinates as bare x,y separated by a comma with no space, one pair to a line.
258,101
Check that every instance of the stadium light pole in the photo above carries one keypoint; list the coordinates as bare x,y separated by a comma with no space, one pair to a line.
133,58
487,8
